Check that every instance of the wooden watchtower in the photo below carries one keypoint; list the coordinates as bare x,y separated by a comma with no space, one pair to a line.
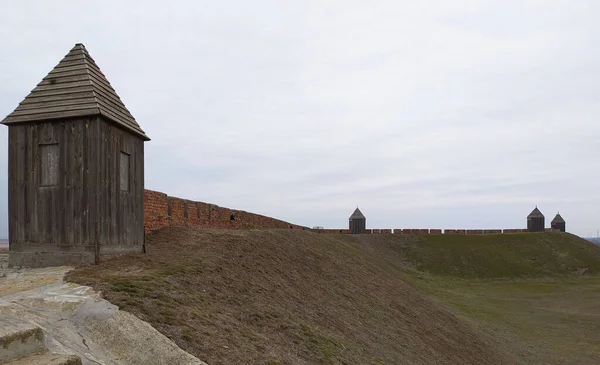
358,222
76,169
558,223
536,221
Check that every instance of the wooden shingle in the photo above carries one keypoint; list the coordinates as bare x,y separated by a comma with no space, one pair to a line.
535,214
75,88
558,219
357,214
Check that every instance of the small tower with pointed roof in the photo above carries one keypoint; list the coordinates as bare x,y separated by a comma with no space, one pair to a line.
536,221
558,223
358,222
76,169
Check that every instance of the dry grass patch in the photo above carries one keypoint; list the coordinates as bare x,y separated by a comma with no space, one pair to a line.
284,297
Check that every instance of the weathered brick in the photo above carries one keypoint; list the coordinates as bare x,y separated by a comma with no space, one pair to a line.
161,211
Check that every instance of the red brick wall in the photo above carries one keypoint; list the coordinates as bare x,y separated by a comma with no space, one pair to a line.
161,210
411,231
332,231
155,210
474,231
455,231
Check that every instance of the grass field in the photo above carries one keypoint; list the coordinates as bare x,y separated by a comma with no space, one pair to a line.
543,321
519,255
283,297
536,294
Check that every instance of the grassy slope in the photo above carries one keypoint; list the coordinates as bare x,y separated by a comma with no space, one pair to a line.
520,288
489,256
281,297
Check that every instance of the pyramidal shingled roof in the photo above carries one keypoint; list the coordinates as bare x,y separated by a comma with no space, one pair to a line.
535,214
74,88
357,214
558,219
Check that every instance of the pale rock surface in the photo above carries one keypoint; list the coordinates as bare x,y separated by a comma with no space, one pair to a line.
76,320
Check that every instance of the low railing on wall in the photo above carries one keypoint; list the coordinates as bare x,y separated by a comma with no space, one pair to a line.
428,231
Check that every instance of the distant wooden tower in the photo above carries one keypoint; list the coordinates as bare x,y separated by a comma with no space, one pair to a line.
536,221
558,223
75,169
358,222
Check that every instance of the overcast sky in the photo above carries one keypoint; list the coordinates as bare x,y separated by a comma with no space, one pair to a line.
426,114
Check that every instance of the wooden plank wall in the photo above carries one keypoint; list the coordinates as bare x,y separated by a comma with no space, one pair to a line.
46,215
87,206
120,213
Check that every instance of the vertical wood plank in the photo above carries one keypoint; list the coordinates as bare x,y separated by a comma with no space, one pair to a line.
69,174
94,140
44,197
138,207
20,184
141,188
105,194
59,196
114,187
85,209
27,198
125,195
34,182
12,185
77,182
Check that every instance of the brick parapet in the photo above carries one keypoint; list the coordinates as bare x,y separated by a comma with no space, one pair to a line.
161,210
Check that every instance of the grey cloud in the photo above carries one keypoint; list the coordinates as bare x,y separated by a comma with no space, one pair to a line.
439,113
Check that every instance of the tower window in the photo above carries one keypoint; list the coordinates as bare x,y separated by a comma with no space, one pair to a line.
124,171
49,155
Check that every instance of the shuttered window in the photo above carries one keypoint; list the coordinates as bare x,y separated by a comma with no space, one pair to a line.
49,155
125,171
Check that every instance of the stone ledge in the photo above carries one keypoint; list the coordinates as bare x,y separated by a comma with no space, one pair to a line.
19,338
49,259
3,261
47,359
